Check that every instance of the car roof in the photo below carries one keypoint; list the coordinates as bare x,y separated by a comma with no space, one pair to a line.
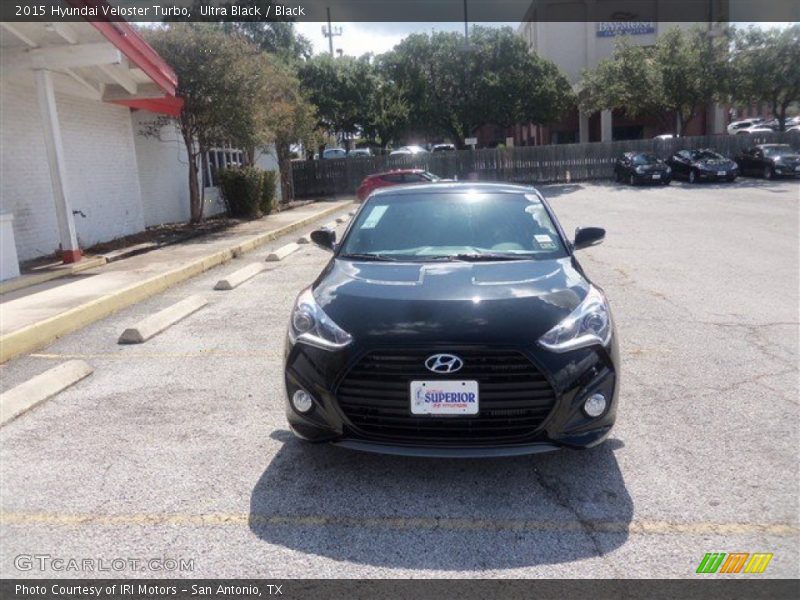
396,171
454,188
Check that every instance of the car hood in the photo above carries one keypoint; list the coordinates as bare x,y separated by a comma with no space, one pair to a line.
512,302
716,163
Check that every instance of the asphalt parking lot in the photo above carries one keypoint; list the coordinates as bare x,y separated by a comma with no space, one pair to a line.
178,448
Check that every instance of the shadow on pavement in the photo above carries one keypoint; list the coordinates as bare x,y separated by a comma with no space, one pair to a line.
442,514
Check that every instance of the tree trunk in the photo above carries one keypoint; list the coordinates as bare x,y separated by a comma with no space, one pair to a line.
195,199
283,152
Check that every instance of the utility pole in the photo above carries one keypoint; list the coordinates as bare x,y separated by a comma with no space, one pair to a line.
330,32
466,24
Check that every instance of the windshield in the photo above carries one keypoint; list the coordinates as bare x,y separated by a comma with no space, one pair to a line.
645,159
706,155
781,150
453,226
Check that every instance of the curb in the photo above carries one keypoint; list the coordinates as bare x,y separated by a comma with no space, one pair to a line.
163,319
26,395
40,334
282,252
238,277
27,280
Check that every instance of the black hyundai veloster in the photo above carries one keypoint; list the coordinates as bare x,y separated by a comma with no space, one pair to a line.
453,320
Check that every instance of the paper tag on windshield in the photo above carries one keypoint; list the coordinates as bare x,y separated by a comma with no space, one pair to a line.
374,217
545,242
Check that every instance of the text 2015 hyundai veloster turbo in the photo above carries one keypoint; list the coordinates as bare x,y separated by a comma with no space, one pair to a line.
453,320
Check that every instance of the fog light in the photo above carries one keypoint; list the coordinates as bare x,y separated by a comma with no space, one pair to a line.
301,400
595,405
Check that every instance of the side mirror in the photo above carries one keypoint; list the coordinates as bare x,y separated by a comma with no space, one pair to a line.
588,236
324,238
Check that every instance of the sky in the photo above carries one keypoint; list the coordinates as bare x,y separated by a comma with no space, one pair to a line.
360,38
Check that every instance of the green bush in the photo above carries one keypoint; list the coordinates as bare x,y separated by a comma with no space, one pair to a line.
241,189
268,183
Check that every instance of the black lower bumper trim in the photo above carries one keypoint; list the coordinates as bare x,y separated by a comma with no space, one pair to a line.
444,451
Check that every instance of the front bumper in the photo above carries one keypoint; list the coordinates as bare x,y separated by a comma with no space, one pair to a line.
706,175
573,376
786,170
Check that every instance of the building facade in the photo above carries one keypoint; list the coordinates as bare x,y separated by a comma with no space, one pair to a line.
577,45
76,168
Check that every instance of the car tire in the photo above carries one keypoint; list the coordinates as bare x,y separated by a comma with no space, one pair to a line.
769,173
692,176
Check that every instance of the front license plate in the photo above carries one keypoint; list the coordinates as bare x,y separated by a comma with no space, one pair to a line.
720,173
656,176
444,397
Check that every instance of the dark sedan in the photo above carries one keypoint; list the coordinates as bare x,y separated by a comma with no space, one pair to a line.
770,160
453,319
703,165
641,167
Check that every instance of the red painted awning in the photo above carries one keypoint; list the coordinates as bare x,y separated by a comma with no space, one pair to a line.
140,53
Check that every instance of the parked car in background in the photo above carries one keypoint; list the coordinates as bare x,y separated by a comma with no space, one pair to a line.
356,152
794,128
408,151
736,126
755,129
334,153
443,148
769,160
702,165
397,177
642,167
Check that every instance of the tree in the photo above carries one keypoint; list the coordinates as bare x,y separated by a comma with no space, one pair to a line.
766,68
455,88
284,115
214,82
682,73
340,88
387,114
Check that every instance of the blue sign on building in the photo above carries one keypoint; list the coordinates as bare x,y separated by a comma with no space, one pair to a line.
615,28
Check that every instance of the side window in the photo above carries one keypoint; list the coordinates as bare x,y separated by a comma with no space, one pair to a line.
393,178
413,178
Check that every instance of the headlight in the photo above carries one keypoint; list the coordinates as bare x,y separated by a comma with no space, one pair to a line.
669,170
639,170
310,325
587,325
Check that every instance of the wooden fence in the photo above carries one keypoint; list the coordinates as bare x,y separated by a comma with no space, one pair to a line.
525,164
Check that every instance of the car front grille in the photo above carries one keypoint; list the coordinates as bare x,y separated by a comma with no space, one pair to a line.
514,396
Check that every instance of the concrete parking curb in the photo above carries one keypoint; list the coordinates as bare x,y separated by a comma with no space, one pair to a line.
42,333
237,278
282,252
26,395
158,322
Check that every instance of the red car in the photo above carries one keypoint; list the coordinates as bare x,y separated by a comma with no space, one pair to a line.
398,177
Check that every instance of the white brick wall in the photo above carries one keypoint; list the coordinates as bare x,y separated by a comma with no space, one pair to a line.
120,180
102,173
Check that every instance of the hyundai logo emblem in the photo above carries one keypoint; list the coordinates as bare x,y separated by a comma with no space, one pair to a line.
444,363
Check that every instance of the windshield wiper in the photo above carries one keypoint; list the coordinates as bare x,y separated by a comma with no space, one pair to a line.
369,256
478,256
